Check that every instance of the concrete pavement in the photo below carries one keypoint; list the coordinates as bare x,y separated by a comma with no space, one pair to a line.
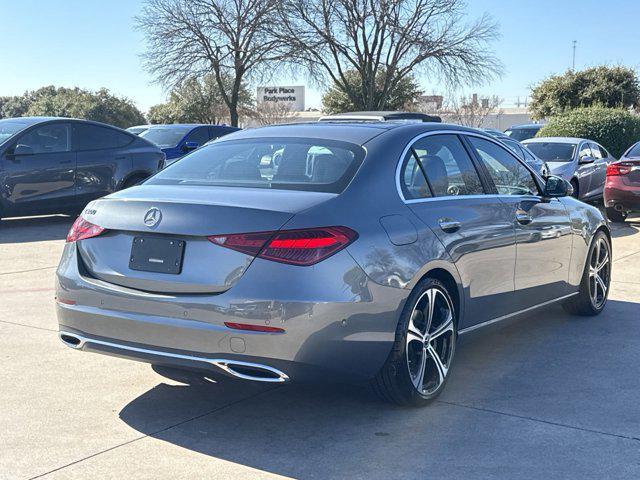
546,395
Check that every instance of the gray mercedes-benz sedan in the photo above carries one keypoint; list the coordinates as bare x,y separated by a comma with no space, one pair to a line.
344,251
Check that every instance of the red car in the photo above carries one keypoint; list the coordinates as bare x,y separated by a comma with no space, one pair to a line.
622,188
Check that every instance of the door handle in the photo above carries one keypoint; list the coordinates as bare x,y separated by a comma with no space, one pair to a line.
448,225
523,218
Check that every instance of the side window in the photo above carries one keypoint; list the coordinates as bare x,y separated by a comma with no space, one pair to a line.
95,137
529,158
515,148
412,181
51,138
595,150
448,167
199,135
585,151
509,175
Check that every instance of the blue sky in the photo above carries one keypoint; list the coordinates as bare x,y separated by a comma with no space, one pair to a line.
93,44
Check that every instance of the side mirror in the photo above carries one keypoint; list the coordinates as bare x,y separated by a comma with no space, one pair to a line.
189,146
586,159
557,187
22,150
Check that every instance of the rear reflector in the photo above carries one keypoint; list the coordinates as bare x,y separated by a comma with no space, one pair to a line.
253,328
295,247
616,169
81,230
65,301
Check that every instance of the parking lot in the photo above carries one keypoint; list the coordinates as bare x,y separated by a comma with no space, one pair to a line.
545,395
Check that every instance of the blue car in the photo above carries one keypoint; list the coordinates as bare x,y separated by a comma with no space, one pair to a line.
179,139
58,165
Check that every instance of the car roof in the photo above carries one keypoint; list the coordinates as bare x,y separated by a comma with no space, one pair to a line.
526,125
32,120
192,125
383,115
557,140
358,133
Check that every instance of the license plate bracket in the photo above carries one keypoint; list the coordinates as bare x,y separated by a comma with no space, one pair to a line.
159,255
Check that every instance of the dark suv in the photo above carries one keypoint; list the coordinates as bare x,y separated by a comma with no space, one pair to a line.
58,165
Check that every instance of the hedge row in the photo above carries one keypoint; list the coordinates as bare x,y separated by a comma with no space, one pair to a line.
615,129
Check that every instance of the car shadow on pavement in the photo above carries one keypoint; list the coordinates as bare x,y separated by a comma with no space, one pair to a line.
34,229
629,227
546,365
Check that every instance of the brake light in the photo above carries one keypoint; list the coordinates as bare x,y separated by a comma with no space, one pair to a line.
616,169
82,229
295,247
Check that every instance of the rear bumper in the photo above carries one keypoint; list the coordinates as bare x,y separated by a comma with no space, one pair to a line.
235,368
338,324
627,197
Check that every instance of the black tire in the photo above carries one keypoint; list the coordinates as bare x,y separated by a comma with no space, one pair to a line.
576,188
584,303
395,382
616,216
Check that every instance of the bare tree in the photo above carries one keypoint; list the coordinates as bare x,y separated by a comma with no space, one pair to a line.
470,111
272,113
226,38
396,38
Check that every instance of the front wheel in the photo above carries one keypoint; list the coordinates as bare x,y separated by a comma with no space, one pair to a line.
419,364
596,279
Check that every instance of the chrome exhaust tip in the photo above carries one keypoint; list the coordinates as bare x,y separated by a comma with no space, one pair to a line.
618,207
235,368
71,340
251,371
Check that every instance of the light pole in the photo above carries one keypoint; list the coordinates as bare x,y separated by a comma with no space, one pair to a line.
575,42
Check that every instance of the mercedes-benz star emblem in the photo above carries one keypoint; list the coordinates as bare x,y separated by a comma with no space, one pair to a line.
152,217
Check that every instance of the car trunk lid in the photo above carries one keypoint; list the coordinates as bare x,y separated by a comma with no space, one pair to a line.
170,226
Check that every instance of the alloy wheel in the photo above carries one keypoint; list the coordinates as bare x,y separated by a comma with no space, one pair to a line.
599,273
430,341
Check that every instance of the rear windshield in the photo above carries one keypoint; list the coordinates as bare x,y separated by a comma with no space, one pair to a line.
166,137
521,134
8,129
633,151
284,164
553,152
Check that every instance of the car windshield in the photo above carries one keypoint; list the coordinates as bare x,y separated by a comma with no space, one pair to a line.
553,152
521,134
634,151
276,163
137,130
166,137
8,129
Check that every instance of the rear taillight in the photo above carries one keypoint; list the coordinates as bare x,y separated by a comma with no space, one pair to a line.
81,229
616,169
295,247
